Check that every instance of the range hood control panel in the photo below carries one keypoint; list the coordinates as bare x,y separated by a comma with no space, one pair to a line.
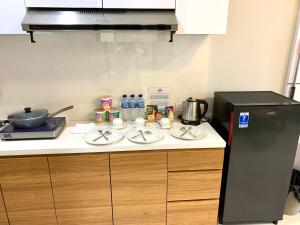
102,20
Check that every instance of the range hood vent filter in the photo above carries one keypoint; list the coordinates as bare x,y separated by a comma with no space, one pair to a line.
101,11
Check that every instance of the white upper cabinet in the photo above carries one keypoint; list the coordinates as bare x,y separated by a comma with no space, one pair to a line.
11,15
139,4
194,16
63,3
202,16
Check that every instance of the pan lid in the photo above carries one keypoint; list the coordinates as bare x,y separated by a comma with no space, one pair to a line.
28,114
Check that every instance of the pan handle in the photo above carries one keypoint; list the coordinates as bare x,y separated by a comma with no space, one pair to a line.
60,111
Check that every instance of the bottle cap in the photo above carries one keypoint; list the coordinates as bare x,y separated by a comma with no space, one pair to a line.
132,95
140,95
124,96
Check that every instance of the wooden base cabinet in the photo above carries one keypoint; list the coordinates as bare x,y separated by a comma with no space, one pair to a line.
3,216
26,189
139,185
194,181
81,189
175,187
193,212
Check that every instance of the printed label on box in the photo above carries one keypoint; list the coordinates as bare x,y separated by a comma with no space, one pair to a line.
244,120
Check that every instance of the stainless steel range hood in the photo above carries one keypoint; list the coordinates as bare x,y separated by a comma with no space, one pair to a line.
39,19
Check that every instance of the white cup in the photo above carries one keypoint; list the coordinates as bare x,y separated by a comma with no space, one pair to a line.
140,122
118,123
164,123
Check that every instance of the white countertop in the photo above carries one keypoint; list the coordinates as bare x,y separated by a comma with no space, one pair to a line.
74,143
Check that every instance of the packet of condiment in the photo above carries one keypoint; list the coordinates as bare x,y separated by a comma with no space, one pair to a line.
151,118
170,113
158,116
163,111
151,110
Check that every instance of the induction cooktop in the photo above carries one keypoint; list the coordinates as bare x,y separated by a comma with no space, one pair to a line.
51,129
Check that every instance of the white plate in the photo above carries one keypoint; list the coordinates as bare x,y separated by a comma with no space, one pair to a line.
153,135
114,137
197,131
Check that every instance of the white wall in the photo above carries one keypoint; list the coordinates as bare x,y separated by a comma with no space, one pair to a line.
75,68
254,52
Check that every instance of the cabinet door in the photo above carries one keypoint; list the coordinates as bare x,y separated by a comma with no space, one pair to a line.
197,159
139,4
194,185
81,189
202,16
193,212
3,216
27,191
11,15
139,183
64,3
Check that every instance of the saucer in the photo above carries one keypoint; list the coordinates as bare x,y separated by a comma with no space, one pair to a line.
164,128
139,126
118,128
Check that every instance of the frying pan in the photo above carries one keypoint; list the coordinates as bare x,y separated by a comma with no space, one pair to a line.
32,118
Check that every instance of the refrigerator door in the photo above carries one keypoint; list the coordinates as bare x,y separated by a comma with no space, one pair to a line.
260,165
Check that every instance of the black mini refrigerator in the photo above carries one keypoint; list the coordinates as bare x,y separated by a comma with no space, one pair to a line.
262,131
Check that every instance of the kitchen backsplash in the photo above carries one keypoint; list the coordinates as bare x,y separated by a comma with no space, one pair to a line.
64,69
76,68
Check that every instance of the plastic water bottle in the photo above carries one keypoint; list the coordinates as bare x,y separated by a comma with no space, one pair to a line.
132,108
141,106
125,108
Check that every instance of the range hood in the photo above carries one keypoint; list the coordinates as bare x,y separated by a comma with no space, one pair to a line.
57,19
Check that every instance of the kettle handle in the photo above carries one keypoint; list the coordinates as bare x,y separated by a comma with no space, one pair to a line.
204,102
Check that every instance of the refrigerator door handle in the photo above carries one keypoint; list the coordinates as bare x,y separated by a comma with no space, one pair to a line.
230,128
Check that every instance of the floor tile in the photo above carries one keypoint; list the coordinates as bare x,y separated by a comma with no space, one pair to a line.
287,220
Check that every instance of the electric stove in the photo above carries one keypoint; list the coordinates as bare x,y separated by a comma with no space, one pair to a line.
51,129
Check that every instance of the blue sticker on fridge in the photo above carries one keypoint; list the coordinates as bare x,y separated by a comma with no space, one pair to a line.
244,120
